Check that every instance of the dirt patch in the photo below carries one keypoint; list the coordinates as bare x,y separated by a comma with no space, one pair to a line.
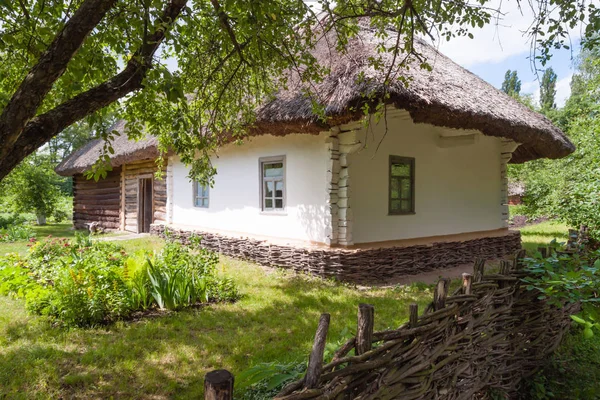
519,221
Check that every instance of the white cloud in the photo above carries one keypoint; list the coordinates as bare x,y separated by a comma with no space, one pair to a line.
563,90
498,40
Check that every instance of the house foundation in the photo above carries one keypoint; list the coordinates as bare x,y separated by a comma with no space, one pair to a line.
359,265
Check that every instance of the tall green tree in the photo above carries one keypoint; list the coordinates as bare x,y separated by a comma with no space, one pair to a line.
512,84
33,187
548,90
68,60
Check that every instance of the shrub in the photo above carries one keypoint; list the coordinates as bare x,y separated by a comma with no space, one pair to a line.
87,283
563,278
11,220
16,232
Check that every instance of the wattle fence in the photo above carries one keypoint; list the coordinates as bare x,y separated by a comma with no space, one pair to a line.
489,335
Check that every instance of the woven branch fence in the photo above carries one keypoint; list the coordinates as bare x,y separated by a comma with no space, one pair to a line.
490,334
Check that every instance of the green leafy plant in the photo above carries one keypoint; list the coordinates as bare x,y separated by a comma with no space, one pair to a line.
265,380
16,232
563,278
86,283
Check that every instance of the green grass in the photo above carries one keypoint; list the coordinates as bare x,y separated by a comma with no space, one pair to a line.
534,236
572,373
166,356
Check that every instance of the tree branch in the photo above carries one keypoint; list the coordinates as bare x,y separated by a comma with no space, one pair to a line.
42,128
227,26
29,96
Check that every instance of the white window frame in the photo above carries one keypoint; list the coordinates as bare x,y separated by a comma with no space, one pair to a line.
196,197
271,160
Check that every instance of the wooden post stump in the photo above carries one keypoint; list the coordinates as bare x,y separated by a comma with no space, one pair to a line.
440,293
218,385
518,262
467,283
543,251
315,360
413,311
364,331
478,269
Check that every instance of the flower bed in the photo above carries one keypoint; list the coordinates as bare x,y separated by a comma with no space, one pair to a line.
87,283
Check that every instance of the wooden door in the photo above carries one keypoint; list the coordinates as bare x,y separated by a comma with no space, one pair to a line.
144,204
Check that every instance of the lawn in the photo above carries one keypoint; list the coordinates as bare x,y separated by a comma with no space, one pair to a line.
167,355
534,236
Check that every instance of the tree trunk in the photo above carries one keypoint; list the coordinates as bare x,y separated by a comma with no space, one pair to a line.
41,218
21,134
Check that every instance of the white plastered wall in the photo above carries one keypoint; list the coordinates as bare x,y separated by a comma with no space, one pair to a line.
458,181
234,198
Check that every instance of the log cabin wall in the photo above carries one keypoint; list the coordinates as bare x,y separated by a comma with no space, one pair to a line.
130,182
97,201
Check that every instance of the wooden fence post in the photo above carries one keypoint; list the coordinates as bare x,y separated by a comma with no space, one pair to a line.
478,269
518,262
543,251
315,360
440,293
413,312
467,282
218,385
364,331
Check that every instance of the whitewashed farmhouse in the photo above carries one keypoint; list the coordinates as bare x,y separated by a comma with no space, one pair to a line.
426,188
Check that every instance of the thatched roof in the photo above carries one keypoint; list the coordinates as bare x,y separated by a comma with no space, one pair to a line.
448,96
126,151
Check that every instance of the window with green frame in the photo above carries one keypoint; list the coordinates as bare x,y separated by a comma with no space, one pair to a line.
402,185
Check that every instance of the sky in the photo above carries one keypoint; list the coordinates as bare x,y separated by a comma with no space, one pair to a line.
501,46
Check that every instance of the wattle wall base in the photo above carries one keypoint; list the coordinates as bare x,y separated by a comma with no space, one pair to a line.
354,265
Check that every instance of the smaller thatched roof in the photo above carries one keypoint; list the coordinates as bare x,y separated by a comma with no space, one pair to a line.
126,151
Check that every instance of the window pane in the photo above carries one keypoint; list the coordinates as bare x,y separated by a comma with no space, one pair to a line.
278,203
279,189
197,202
205,202
395,189
405,206
401,170
204,191
272,169
268,189
405,191
395,205
268,203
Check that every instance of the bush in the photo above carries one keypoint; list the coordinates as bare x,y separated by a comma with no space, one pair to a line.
566,279
87,283
9,220
16,232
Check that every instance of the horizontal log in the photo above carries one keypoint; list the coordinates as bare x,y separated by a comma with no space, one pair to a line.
111,179
96,207
115,220
160,216
92,197
97,203
97,189
102,212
